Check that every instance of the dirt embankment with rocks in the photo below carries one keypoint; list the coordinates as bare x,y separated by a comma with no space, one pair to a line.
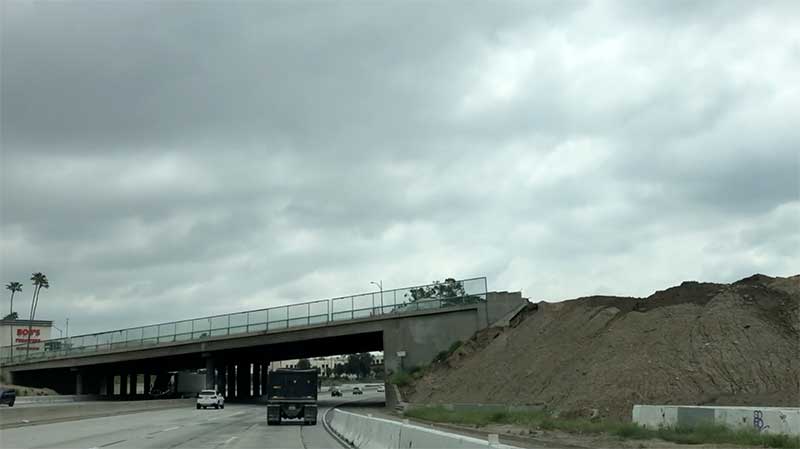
697,343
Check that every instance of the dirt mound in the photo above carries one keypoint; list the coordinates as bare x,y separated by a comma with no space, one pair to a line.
698,343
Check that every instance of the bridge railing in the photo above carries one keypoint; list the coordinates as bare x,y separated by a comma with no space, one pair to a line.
320,312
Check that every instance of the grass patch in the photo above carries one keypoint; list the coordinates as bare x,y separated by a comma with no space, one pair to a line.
722,434
702,434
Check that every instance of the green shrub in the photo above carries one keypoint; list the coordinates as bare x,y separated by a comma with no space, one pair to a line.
441,357
400,378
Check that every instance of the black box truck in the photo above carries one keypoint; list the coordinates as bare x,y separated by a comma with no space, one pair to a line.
292,394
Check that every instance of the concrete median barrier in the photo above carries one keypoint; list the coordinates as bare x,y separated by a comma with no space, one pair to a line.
33,414
773,420
56,399
366,432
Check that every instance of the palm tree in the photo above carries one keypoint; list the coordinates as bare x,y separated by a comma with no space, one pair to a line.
39,281
14,287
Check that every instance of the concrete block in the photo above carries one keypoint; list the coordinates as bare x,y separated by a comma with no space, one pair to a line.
773,420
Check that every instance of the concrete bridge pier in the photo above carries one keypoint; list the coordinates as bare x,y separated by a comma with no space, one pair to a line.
79,385
243,379
210,371
264,375
123,385
147,383
256,379
133,379
231,387
222,379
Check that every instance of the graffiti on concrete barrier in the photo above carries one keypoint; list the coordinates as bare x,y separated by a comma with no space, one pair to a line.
758,421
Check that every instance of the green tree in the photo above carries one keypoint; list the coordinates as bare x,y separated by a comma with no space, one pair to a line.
303,364
39,282
450,292
339,370
13,287
359,364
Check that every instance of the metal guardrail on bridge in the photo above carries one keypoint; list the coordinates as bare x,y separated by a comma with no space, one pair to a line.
325,311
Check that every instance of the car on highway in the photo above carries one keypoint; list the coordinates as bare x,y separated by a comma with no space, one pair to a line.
8,396
210,398
335,391
357,390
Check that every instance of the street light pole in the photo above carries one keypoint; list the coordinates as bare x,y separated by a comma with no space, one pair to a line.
379,284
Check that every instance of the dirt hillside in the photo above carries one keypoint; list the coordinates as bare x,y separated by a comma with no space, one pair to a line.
698,343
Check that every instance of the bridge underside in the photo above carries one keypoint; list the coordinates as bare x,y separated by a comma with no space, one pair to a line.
239,373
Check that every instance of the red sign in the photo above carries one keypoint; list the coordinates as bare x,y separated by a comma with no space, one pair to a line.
35,332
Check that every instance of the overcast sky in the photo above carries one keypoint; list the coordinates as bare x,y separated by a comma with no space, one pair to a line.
168,160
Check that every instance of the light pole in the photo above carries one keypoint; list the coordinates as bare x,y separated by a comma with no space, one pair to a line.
379,284
60,341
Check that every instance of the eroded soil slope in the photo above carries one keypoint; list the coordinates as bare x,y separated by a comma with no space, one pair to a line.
698,343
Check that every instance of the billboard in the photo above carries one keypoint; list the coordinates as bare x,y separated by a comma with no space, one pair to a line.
25,334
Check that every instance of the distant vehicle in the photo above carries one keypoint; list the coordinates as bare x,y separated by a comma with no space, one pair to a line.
381,389
357,390
210,398
8,396
292,394
335,391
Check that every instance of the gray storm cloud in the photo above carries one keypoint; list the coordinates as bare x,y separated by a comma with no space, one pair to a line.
163,161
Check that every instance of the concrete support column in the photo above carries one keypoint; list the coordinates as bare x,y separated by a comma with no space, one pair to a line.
79,383
256,379
243,379
9,376
231,381
264,374
147,384
134,379
109,381
123,385
210,380
222,380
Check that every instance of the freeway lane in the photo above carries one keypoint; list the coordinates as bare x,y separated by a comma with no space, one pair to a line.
237,426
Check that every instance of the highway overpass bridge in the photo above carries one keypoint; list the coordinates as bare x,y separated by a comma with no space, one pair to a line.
235,349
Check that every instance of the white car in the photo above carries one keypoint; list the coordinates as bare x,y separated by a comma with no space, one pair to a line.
381,389
210,398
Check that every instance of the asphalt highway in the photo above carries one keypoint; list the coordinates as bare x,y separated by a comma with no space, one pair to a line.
237,426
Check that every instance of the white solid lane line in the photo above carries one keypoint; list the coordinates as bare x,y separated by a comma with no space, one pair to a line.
171,428
229,440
